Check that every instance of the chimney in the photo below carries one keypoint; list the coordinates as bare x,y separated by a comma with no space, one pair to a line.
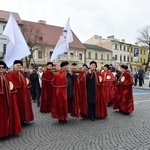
42,21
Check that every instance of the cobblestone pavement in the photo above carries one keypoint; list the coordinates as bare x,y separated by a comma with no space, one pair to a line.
117,132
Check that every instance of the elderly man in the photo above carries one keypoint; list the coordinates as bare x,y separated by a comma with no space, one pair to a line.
23,85
9,115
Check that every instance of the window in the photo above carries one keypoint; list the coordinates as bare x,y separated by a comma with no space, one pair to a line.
89,55
107,56
4,48
115,57
71,54
124,58
120,47
102,57
4,28
128,48
131,59
50,54
124,48
115,46
141,60
128,59
80,56
96,56
39,54
131,49
141,51
120,58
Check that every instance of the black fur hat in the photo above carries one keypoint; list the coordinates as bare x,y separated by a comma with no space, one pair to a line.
3,63
93,62
18,62
64,63
124,67
50,63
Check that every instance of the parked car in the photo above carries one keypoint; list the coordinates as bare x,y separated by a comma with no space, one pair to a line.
147,75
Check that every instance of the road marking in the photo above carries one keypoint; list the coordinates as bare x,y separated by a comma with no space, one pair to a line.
140,93
136,102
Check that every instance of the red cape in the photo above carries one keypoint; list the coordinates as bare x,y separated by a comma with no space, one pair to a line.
9,115
124,99
109,86
46,91
101,109
23,85
59,102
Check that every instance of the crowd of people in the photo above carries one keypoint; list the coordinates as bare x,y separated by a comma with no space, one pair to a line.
84,94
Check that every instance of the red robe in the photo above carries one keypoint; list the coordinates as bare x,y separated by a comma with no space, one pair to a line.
46,91
101,109
59,102
124,99
23,85
75,107
82,95
109,86
9,115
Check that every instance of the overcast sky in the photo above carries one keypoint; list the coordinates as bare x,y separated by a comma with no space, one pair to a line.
121,18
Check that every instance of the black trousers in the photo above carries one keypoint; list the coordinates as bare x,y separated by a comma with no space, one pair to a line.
70,104
91,107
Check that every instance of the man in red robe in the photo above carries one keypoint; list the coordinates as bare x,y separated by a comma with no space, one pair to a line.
47,89
109,85
82,95
60,97
9,115
95,94
23,85
124,100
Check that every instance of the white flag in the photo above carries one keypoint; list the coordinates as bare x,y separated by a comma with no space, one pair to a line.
62,45
16,47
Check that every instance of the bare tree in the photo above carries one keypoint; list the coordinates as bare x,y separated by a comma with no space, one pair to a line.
34,37
144,38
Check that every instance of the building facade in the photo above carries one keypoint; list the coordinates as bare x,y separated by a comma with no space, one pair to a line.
41,39
122,52
99,54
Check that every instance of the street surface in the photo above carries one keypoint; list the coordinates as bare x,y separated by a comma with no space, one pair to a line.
117,132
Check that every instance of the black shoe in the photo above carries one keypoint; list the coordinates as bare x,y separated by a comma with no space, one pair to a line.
62,121
126,113
92,119
109,104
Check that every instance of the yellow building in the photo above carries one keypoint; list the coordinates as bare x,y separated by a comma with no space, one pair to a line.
140,59
99,54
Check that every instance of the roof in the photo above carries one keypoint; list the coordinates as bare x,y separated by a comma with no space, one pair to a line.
51,34
4,16
95,47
